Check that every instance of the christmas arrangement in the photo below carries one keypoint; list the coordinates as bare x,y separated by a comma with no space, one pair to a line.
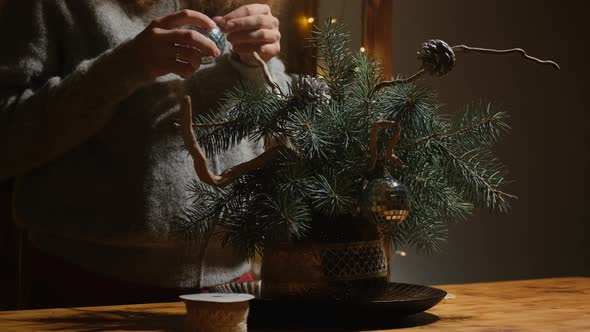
351,161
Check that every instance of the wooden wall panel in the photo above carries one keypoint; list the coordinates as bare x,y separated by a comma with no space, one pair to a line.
295,31
378,32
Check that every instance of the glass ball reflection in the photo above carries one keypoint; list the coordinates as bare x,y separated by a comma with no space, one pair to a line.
386,200
216,35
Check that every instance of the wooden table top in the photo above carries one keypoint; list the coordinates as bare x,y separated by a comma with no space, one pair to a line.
561,304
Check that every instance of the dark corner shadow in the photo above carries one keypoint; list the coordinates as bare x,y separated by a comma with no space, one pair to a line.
346,325
92,321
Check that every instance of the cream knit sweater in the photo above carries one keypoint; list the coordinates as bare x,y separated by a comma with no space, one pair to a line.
99,163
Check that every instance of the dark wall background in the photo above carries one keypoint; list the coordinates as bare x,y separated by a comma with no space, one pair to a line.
548,152
8,245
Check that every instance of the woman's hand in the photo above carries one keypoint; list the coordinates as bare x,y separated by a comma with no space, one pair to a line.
252,28
164,48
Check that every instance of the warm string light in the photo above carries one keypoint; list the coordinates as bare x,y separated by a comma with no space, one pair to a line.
311,20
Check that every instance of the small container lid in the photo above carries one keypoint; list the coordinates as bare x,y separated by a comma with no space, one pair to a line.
217,297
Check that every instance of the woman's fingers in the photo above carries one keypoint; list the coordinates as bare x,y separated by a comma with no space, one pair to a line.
248,10
193,39
254,22
265,51
262,36
187,55
182,69
252,28
164,47
182,18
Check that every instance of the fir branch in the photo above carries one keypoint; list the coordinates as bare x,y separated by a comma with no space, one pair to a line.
479,177
368,76
479,125
293,179
291,216
430,190
207,205
244,233
427,235
334,61
421,231
309,134
413,106
332,195
244,110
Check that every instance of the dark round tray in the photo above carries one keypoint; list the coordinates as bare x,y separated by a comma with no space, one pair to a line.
393,305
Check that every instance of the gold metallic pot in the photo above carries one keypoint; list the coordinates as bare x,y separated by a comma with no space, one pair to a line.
334,267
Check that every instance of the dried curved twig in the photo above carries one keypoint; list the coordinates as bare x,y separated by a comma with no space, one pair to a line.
210,125
463,49
392,83
200,161
267,75
468,49
395,137
196,152
390,153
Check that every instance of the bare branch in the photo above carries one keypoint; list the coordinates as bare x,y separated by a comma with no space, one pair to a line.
468,49
390,153
267,75
200,161
392,83
464,49
211,125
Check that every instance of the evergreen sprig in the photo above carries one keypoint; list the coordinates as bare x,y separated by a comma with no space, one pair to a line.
248,112
335,63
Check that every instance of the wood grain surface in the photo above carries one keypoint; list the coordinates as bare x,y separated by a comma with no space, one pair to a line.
535,305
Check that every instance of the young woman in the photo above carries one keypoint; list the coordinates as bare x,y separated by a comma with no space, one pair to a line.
89,95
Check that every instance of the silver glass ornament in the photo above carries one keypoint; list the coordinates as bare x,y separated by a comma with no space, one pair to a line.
216,35
385,200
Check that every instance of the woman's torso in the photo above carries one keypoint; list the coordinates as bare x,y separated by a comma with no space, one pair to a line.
113,199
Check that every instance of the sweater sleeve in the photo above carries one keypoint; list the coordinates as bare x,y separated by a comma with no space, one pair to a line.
45,113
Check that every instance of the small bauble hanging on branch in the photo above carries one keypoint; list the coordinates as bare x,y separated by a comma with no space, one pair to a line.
385,200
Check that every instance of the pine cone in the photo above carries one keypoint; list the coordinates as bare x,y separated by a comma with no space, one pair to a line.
437,57
314,90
